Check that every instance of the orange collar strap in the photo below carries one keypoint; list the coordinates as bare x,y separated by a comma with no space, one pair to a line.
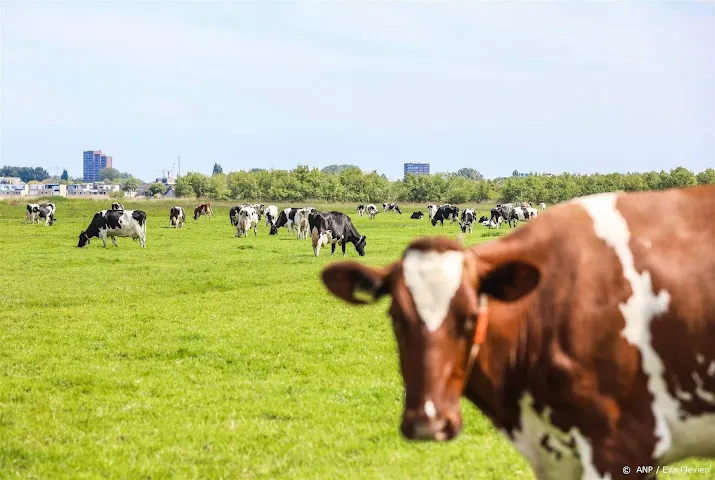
480,336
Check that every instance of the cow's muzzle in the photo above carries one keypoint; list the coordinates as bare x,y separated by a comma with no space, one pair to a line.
417,425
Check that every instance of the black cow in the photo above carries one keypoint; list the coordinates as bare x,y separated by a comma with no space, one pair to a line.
333,227
417,215
115,223
445,213
285,219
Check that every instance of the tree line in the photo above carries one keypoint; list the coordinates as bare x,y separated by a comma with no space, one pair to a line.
350,184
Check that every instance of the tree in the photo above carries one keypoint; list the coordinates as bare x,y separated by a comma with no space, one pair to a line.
65,175
109,174
157,188
705,177
130,185
336,169
26,174
515,173
217,169
469,173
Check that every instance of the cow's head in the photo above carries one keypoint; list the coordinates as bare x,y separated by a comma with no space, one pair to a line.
435,289
360,246
83,239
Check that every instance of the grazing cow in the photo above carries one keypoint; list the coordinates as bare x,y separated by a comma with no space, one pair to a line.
203,209
260,209
333,227
432,211
117,206
303,227
392,207
445,213
247,219
505,213
271,215
285,219
177,217
361,209
115,223
372,211
525,213
542,206
467,220
585,337
37,212
417,215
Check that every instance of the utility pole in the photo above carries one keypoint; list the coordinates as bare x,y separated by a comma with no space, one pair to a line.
179,174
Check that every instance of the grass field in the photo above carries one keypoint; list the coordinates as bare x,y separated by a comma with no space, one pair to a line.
208,356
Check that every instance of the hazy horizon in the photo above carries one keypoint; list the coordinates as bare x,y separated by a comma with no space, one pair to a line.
543,87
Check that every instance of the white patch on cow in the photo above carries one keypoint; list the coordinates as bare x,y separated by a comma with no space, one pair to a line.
700,359
676,438
711,369
433,278
430,410
704,395
534,427
585,451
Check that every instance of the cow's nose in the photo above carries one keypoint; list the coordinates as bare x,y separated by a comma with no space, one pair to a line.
427,424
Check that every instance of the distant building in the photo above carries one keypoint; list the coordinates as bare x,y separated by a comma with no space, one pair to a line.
91,189
13,186
524,174
94,162
416,169
47,190
167,180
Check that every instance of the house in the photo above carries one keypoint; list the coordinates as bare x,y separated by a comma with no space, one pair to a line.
98,189
47,190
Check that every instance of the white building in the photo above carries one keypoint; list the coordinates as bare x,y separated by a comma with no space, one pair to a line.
47,190
91,189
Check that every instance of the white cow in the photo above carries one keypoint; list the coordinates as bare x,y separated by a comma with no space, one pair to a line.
432,211
372,211
177,216
542,206
247,219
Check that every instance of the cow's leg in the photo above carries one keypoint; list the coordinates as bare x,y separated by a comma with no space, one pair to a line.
332,249
114,241
104,238
342,244
255,230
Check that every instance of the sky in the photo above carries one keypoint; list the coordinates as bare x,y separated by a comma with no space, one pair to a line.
539,86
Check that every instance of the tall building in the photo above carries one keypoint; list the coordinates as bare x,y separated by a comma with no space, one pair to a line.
94,162
416,169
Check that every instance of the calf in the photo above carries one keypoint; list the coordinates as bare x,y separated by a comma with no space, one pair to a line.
361,209
302,226
271,215
117,206
372,211
467,220
445,213
115,223
391,207
285,219
203,209
247,219
585,337
177,217
333,227
417,215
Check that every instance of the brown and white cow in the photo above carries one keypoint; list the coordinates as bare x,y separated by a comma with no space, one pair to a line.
585,336
203,209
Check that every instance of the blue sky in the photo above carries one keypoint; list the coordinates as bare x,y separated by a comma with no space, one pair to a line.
548,87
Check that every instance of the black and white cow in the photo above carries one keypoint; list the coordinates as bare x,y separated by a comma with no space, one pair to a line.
445,213
233,213
372,211
247,219
302,223
177,217
333,227
271,215
391,207
432,210
417,215
37,212
117,206
115,223
467,220
285,219
361,210
503,213
260,208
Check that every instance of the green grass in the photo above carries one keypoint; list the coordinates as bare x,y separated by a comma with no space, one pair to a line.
207,356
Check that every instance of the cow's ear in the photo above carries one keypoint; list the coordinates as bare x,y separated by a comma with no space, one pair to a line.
510,281
356,283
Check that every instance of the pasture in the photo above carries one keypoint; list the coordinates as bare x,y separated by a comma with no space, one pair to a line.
209,356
